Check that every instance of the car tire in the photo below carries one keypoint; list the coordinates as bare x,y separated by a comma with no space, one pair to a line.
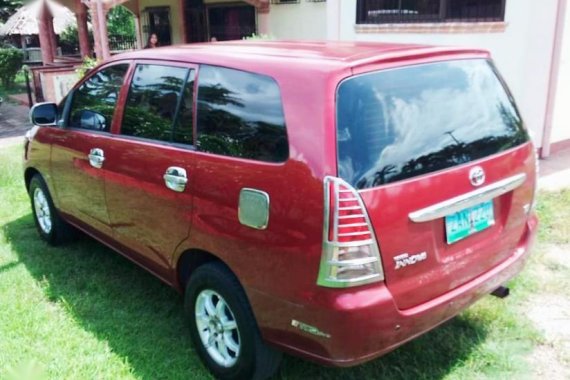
51,227
221,318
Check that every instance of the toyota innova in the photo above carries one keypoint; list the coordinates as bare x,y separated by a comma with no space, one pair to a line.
328,200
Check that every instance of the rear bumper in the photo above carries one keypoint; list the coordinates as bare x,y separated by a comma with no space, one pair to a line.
365,324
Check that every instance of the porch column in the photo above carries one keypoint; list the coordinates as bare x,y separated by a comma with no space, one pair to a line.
44,20
102,19
82,31
262,7
262,22
96,33
138,31
52,36
99,24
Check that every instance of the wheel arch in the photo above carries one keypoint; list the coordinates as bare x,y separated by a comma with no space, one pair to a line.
28,175
192,259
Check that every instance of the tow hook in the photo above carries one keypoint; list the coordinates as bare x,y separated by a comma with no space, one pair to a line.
501,292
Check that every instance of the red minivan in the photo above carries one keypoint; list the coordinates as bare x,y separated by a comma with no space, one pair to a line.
329,200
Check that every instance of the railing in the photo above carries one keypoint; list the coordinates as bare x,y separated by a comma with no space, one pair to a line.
402,11
34,55
122,43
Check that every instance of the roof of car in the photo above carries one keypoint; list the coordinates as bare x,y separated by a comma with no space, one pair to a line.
347,54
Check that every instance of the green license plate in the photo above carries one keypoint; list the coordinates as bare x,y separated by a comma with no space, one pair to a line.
466,222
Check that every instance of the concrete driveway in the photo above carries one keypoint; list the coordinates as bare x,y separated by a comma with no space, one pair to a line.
14,123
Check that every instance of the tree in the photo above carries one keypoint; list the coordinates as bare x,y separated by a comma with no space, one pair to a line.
120,22
8,8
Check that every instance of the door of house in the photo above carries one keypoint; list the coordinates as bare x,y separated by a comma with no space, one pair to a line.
159,23
232,22
195,21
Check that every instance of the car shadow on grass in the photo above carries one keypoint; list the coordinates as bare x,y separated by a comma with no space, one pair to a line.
142,319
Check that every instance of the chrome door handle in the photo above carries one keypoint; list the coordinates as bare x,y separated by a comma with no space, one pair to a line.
175,178
96,157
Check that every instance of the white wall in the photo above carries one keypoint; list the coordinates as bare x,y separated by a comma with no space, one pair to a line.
561,121
522,52
303,21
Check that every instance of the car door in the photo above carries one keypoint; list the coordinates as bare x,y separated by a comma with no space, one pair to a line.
78,147
149,164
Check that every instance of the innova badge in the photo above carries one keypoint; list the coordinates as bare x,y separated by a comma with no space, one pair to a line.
477,176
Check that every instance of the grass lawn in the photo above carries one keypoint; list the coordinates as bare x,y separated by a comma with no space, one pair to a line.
84,312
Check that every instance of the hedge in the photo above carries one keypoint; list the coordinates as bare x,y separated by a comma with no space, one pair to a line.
11,61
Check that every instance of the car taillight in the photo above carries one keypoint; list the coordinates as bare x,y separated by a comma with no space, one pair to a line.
350,252
537,174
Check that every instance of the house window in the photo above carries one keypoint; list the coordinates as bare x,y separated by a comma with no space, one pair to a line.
430,11
284,1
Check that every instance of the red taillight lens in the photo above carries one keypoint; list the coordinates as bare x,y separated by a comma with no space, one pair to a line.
350,252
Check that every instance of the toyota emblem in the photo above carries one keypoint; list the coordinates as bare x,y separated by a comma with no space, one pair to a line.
477,176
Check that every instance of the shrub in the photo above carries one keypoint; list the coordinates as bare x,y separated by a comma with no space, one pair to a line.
11,61
86,66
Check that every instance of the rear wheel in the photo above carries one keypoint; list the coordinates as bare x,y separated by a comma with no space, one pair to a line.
49,224
223,327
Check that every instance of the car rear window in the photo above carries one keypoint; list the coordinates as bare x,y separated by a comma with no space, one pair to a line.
401,123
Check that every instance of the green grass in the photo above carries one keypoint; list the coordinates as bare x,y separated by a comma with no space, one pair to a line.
84,312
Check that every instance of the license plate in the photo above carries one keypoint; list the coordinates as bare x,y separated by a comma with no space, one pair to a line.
469,221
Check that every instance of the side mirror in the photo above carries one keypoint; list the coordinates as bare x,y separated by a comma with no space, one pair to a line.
43,114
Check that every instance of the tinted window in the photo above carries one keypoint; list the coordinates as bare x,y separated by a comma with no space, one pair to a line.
397,124
93,103
240,114
153,101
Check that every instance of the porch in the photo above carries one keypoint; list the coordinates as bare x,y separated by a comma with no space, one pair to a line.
173,21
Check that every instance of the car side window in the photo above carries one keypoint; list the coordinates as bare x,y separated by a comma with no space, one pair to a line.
240,114
93,103
157,94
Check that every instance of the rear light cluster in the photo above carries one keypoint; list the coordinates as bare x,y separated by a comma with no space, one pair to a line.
350,252
536,173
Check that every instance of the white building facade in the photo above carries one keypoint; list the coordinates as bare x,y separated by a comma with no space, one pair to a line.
523,37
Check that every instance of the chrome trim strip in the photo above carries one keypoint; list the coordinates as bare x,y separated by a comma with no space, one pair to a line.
353,225
360,233
354,262
464,201
348,208
352,216
353,281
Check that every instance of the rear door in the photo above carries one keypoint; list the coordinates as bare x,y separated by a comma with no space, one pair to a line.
77,157
150,162
444,166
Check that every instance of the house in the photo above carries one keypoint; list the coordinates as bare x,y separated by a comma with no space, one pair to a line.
524,36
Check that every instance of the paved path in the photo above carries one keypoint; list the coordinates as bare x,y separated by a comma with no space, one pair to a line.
14,123
555,171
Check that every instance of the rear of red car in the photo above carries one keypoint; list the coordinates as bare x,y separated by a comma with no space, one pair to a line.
432,206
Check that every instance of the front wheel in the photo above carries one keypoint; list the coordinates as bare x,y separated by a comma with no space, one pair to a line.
49,224
223,327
